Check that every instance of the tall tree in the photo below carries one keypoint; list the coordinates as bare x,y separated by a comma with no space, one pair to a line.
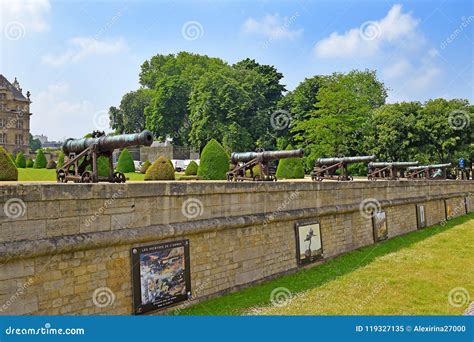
130,116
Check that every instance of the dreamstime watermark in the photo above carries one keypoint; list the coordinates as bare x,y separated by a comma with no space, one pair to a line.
281,31
14,30
101,119
192,208
192,297
280,119
282,207
12,123
14,208
369,206
452,37
192,30
103,296
280,296
101,210
370,30
459,119
108,25
451,215
458,297
19,291
372,295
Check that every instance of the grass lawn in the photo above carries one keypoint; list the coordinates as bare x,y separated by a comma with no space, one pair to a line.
407,275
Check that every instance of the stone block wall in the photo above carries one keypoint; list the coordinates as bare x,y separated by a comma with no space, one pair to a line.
65,241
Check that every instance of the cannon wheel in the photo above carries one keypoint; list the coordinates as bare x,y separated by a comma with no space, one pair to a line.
61,176
119,177
86,177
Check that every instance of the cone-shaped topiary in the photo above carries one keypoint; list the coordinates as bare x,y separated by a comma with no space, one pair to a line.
51,164
125,162
145,166
161,169
290,168
20,160
29,163
60,159
40,161
192,169
102,166
214,162
8,170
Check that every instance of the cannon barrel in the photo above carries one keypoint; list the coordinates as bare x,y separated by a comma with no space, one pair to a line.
108,143
265,156
393,164
432,166
360,159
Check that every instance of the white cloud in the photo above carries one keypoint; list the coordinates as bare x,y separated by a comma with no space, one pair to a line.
397,70
370,37
82,47
31,14
273,27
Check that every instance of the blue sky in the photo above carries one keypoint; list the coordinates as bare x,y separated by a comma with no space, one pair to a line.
78,58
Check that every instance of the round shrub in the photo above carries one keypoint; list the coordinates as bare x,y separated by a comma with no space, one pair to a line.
20,160
29,163
61,159
51,164
102,166
161,169
214,162
145,166
290,168
192,169
8,170
125,162
40,161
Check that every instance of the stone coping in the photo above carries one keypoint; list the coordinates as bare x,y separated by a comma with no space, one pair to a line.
85,241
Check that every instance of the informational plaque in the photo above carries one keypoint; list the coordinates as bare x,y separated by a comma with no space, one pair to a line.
161,275
420,216
309,247
379,223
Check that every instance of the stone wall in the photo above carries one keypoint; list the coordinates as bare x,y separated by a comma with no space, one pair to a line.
59,243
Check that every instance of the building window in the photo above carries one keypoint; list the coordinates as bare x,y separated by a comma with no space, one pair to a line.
3,138
3,107
19,139
2,123
19,123
3,96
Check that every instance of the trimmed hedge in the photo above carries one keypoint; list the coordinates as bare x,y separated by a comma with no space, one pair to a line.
8,170
60,159
145,166
290,168
214,162
40,161
192,169
51,164
161,169
125,162
20,160
29,163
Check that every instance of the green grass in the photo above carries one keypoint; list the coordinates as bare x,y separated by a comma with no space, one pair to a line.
409,274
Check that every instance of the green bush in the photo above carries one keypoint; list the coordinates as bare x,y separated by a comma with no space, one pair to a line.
125,162
214,162
102,166
192,169
161,169
51,164
60,159
29,163
20,160
40,161
145,166
290,168
8,170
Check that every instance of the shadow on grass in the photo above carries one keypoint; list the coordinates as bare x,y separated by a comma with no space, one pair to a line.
237,302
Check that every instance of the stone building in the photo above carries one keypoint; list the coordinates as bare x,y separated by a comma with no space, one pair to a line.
14,117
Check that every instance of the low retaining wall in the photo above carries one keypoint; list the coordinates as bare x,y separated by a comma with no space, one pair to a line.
62,244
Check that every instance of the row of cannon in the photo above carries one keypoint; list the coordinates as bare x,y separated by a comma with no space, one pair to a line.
82,155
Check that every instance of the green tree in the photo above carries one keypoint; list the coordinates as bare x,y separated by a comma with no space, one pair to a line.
214,162
8,170
61,159
35,144
130,116
125,162
161,169
40,160
29,163
192,169
20,160
290,168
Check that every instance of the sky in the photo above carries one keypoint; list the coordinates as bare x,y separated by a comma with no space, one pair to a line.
78,58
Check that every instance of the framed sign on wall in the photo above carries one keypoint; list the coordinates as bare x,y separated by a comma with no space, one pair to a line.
161,275
309,246
467,204
420,216
448,210
379,224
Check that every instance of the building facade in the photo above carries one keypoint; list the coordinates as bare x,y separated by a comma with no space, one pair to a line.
14,117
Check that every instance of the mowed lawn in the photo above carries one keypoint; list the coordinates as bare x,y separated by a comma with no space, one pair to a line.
408,275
